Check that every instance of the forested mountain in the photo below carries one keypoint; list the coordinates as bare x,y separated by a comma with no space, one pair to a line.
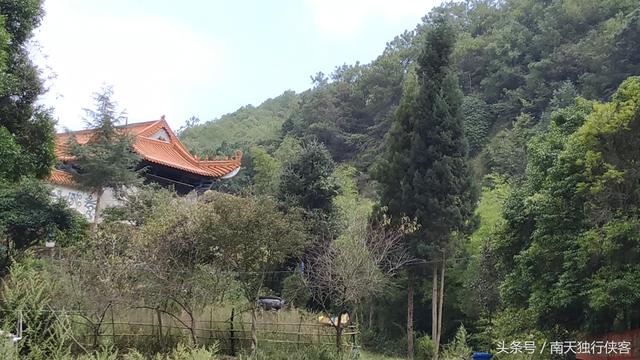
514,57
247,125
551,113
484,167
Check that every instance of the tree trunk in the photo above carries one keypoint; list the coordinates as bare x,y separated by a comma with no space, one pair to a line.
192,329
410,281
339,333
254,332
94,225
434,312
441,302
96,335
160,337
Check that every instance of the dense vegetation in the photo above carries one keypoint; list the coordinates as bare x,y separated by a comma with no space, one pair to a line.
513,57
28,215
26,129
359,195
551,133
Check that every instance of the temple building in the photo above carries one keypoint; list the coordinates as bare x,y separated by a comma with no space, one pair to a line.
163,157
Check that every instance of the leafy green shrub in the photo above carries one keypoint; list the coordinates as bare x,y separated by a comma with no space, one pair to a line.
424,347
458,348
294,290
384,344
180,352
26,295
29,215
8,351
184,352
287,352
105,353
133,354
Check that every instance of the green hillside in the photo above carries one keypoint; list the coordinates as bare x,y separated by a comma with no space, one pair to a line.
247,125
551,119
513,57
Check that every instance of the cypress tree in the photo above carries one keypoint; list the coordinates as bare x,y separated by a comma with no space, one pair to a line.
107,159
424,173
307,182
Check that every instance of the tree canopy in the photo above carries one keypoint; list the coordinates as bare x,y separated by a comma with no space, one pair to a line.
29,124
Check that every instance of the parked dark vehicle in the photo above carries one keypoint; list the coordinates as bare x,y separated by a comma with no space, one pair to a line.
271,302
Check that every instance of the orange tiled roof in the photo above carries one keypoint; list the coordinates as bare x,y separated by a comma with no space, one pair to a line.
61,177
169,153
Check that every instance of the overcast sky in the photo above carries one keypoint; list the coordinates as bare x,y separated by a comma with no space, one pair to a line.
204,57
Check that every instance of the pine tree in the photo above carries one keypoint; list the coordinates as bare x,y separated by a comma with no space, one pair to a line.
424,172
107,159
307,182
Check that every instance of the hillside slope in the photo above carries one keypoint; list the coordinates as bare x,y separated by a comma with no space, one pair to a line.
514,57
245,126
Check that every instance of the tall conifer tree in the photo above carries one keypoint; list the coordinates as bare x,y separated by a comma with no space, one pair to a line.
424,172
107,159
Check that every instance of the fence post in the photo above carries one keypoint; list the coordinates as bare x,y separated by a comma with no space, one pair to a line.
160,336
211,337
113,327
231,333
299,327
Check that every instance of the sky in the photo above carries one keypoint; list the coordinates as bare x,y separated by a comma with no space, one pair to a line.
203,58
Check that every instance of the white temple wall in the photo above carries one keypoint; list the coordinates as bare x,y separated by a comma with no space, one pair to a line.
85,202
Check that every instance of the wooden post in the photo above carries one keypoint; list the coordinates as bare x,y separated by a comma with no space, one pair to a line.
113,326
441,300
299,326
410,281
232,339
434,311
211,337
160,337
153,323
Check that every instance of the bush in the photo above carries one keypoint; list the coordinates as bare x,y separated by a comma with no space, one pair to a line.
384,344
29,216
105,353
183,352
286,352
180,352
458,348
8,350
424,348
27,294
294,290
